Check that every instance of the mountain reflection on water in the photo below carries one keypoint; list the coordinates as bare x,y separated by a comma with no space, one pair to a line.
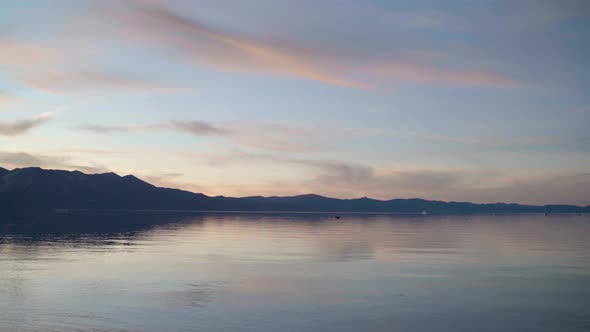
302,272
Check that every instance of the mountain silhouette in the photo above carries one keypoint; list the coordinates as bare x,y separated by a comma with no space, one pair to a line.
37,189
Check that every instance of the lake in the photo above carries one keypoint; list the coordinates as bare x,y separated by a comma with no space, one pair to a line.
295,272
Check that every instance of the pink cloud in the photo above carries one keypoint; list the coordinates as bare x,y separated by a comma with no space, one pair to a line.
206,45
429,74
13,52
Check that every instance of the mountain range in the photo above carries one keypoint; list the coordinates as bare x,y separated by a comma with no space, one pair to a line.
36,189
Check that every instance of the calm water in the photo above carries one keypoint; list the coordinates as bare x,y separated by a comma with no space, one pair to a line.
240,272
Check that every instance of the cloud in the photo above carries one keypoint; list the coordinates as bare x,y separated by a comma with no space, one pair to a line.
87,169
561,187
501,142
337,172
199,128
195,127
88,80
24,159
167,180
279,145
91,151
277,137
10,101
203,44
347,179
337,177
137,24
428,74
34,65
344,180
15,159
19,127
404,134
107,129
6,97
14,52
325,169
101,129
268,136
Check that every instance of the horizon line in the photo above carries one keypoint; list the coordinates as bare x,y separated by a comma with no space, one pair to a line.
290,196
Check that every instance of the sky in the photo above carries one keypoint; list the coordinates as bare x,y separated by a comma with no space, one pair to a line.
466,100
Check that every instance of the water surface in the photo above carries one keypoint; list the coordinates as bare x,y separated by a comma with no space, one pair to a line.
301,272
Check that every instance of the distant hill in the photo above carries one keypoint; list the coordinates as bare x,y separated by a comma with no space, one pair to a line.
36,189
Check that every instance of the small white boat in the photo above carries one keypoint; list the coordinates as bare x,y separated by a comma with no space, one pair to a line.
424,213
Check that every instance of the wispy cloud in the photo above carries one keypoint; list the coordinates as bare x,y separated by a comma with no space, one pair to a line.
428,74
25,159
199,128
6,97
167,180
106,129
404,134
483,141
15,52
19,127
267,136
280,145
139,24
204,44
90,151
347,179
278,137
34,65
298,139
553,187
15,159
102,129
77,81
195,127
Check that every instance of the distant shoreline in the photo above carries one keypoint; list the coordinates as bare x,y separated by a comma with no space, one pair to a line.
34,189
308,212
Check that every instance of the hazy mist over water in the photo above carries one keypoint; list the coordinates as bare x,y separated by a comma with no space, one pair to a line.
296,272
